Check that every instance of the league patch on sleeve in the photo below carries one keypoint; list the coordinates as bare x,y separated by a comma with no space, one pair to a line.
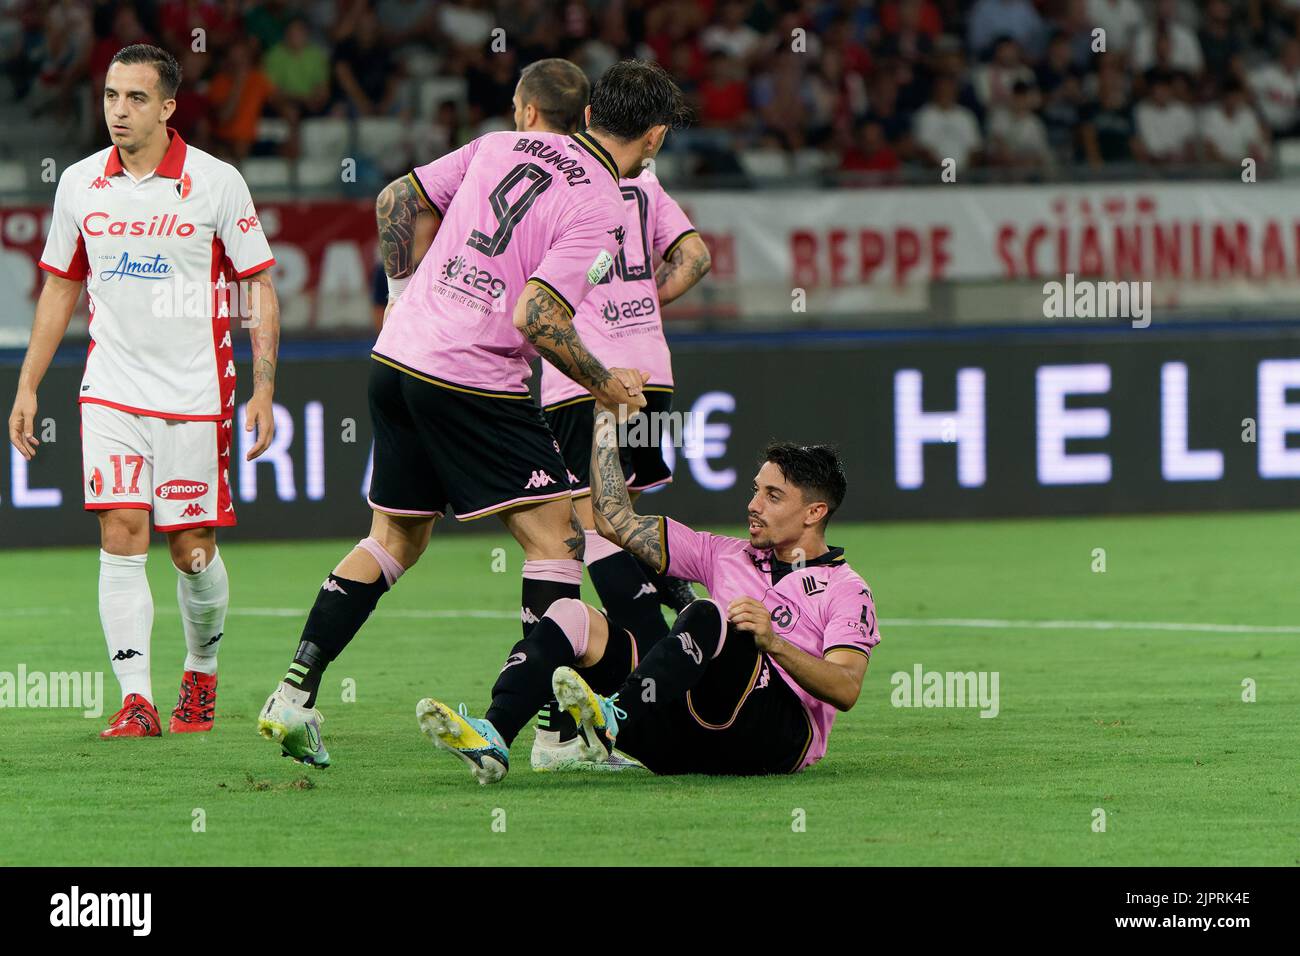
600,267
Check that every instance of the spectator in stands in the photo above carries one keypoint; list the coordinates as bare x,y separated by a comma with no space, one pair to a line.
1220,39
869,151
408,23
991,20
783,97
1060,85
267,22
731,34
908,41
491,92
723,97
1184,50
944,129
238,94
1166,127
1109,132
1230,130
883,109
1120,19
1276,85
178,19
897,16
299,69
62,58
996,80
366,78
191,118
1017,137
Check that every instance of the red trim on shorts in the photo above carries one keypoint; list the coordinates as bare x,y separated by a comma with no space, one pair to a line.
148,413
108,506
219,522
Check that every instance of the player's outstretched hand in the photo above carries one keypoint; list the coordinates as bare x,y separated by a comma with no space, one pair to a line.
749,614
623,393
22,425
259,415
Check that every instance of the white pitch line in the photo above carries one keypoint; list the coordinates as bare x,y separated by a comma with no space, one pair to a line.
432,614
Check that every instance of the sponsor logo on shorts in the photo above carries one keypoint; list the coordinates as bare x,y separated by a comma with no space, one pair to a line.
181,489
96,483
193,510
539,479
690,647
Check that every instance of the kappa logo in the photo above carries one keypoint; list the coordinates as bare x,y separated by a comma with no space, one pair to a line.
332,585
646,588
514,659
213,640
812,586
127,654
99,182
618,233
690,647
763,678
539,479
193,510
527,616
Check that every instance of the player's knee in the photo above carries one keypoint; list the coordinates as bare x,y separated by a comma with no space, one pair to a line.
706,619
391,566
574,620
192,550
124,531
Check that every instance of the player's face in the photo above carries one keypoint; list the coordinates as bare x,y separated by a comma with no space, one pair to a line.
134,108
777,511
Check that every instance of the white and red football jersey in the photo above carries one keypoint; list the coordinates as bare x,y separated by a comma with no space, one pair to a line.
156,254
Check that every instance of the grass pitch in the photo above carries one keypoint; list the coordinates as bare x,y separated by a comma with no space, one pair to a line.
1145,721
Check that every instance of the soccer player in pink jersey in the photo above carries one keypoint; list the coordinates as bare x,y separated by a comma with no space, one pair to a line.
748,681
621,323
528,225
156,231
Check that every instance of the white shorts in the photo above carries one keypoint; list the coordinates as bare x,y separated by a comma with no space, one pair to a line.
179,470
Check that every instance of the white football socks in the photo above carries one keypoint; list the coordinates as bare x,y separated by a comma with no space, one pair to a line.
203,598
126,613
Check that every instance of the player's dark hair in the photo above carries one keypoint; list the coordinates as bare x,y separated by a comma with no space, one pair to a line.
634,95
169,71
816,470
559,89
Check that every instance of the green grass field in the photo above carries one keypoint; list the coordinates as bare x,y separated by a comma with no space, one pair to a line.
1146,723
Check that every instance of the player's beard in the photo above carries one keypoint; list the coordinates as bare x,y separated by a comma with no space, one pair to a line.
762,538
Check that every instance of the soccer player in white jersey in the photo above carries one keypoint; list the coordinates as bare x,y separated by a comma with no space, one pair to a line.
157,232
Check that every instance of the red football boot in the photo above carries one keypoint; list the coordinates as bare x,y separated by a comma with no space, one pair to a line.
137,718
197,705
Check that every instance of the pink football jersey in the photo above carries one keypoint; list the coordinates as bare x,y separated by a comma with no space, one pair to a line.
620,321
516,208
822,607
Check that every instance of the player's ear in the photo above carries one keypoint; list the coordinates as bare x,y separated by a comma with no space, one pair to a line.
815,514
168,108
586,116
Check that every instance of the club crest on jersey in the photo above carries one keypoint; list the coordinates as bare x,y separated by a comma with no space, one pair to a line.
184,186
96,483
784,618
604,262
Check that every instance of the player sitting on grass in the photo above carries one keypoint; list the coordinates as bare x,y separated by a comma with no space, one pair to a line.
747,682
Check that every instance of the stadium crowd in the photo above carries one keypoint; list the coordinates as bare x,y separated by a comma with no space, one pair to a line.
869,90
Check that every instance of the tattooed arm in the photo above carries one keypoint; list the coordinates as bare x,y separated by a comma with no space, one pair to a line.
642,535
264,331
396,209
685,266
546,322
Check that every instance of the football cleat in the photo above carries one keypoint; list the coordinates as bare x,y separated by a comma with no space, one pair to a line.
137,718
597,717
196,708
551,755
472,739
676,593
296,729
